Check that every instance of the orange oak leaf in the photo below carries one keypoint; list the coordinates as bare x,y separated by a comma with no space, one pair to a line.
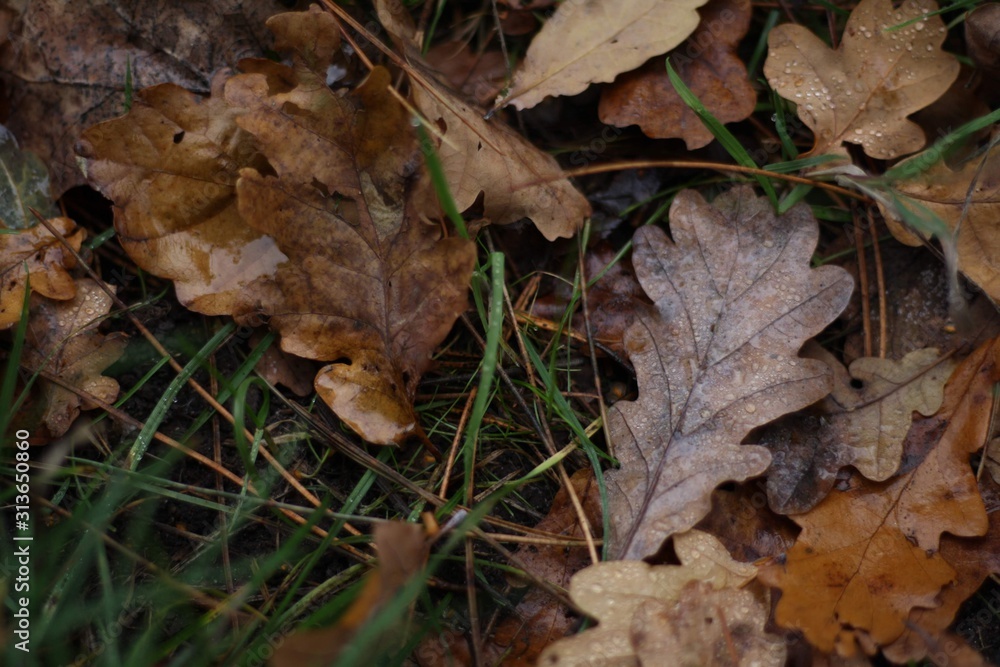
862,92
716,356
46,261
861,426
170,166
707,63
869,555
63,340
369,285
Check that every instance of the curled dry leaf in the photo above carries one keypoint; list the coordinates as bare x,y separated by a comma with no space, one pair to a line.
967,199
594,41
862,92
350,222
170,166
644,610
402,552
24,185
869,555
863,427
63,340
66,61
707,63
734,300
487,158
46,260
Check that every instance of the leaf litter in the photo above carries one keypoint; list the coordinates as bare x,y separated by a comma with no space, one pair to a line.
213,192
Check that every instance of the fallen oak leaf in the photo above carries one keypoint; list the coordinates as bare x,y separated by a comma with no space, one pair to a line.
170,166
967,199
869,555
488,159
74,78
593,42
35,254
62,339
351,222
24,185
645,612
862,427
862,92
707,63
734,299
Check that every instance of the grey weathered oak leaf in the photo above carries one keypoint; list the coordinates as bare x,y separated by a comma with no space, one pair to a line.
734,299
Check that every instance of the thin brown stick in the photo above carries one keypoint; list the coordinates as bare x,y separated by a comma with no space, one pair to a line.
453,452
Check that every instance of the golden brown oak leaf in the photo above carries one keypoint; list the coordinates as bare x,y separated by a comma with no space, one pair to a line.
716,356
967,199
170,166
63,340
66,62
862,427
974,559
596,40
862,92
695,610
369,284
867,556
402,552
46,260
707,63
488,159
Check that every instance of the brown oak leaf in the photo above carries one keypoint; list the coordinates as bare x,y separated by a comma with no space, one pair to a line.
170,166
707,63
488,159
734,300
63,340
65,64
862,92
693,612
369,284
593,42
46,260
862,427
967,199
867,556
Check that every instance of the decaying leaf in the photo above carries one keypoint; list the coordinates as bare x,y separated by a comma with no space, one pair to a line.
488,158
707,63
967,199
63,340
402,552
742,521
478,76
350,222
596,40
869,555
862,92
863,427
982,37
24,185
170,166
46,260
64,67
734,300
695,612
